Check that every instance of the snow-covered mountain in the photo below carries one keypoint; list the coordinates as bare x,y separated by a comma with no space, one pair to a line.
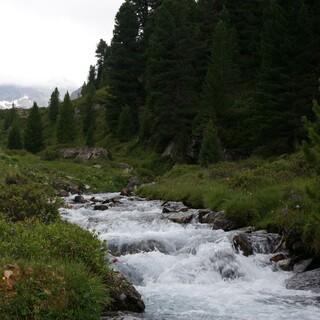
23,97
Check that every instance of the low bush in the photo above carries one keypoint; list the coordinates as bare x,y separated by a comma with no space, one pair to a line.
28,201
62,241
55,291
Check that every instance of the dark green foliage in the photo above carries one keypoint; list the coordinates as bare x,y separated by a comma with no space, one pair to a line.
171,94
27,201
312,149
10,118
66,123
50,292
210,151
14,138
125,66
33,138
89,118
102,55
126,124
287,81
54,106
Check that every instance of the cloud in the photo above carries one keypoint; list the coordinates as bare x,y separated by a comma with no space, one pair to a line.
48,41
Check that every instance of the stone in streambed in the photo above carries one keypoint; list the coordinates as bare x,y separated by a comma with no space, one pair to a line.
79,199
218,220
100,207
123,294
309,280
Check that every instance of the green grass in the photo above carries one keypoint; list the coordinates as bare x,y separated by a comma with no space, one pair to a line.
267,194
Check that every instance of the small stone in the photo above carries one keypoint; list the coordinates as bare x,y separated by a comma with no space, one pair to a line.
79,199
285,265
100,207
278,257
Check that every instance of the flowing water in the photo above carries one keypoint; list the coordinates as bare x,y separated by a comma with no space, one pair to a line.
191,272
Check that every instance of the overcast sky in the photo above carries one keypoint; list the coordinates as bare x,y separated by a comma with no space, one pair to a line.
52,42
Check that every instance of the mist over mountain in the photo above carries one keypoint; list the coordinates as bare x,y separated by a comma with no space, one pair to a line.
24,96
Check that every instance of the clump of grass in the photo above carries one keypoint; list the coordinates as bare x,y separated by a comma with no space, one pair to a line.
41,291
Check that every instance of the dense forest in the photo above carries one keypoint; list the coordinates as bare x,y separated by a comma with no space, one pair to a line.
199,81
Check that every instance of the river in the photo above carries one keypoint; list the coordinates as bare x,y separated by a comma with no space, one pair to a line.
190,272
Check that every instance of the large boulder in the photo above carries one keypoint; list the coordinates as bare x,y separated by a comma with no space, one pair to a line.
133,183
218,220
85,154
180,217
123,294
256,242
309,280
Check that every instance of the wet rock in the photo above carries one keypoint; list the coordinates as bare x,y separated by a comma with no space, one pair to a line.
278,257
242,243
309,280
218,220
285,265
180,217
85,154
256,242
302,266
119,249
79,199
123,294
133,183
120,316
172,206
62,193
100,207
64,188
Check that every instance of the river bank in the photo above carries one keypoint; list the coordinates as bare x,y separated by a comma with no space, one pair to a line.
187,270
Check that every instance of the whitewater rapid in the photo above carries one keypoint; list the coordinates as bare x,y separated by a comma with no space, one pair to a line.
190,272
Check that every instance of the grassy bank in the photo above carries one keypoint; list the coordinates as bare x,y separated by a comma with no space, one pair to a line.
267,194
51,269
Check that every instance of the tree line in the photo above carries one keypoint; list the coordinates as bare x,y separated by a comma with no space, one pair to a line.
204,80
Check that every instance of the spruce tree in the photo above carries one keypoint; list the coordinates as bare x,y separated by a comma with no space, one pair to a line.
125,67
33,138
210,151
14,137
10,117
54,106
102,55
66,123
287,80
171,75
89,117
126,126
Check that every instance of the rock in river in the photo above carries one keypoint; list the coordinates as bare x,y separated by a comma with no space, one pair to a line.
123,294
309,280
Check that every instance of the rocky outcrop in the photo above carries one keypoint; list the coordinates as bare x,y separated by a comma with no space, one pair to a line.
256,242
218,220
85,154
309,280
133,183
123,294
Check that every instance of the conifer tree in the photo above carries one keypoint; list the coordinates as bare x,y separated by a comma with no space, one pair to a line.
54,105
126,126
66,123
287,79
171,75
210,151
102,54
10,118
89,117
14,137
125,67
33,139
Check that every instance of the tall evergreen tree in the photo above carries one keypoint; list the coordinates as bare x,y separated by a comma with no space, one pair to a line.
210,151
33,138
171,75
66,123
10,117
102,54
89,117
14,138
287,80
54,105
125,66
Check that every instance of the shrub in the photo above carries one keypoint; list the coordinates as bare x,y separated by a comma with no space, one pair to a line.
62,241
38,291
28,201
50,154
